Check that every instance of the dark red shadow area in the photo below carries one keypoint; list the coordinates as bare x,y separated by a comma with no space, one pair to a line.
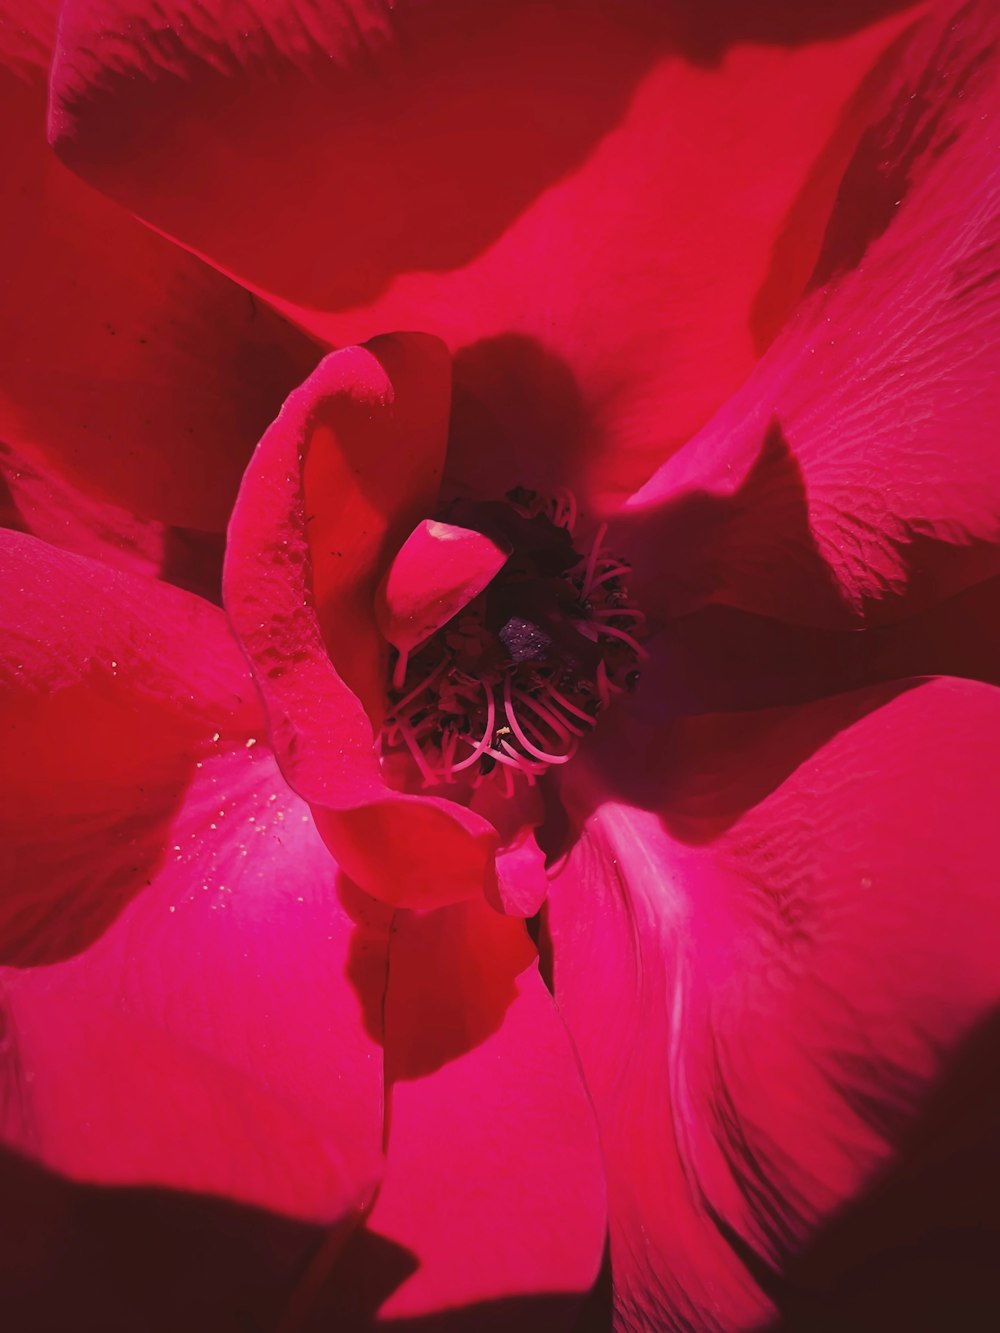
698,547
451,978
412,151
702,776
370,1268
706,28
384,151
517,419
93,1259
921,1250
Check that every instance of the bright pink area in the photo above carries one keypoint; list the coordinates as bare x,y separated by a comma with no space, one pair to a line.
438,570
161,884
554,191
772,936
855,477
494,1187
349,467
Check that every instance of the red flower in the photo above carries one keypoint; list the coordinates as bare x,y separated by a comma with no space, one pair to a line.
719,304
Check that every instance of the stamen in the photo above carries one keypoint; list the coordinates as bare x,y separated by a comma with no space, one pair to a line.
424,684
481,746
561,727
514,681
616,571
563,702
544,755
427,773
628,612
595,550
625,638
399,671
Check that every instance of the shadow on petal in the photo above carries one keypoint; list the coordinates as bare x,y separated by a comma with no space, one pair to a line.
919,1251
114,1260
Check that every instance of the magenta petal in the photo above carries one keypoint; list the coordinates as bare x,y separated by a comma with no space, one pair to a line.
796,932
128,368
160,885
344,474
856,474
641,135
494,1188
437,571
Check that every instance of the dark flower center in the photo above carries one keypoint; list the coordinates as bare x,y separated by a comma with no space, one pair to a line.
510,684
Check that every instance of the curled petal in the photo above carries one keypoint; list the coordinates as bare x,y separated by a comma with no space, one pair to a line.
351,465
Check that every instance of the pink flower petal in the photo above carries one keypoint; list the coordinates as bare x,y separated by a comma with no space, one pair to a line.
855,476
127,367
791,916
161,885
397,182
36,498
494,1188
438,570
350,466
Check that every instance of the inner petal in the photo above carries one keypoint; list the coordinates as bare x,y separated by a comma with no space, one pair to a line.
438,571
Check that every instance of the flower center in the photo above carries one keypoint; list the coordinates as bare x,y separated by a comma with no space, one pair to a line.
509,685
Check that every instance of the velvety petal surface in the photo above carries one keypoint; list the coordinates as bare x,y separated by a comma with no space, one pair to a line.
127,367
438,570
161,885
855,477
772,940
348,469
552,189
720,659
492,1210
36,498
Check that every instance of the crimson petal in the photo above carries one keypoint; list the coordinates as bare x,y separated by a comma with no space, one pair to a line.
128,368
791,915
159,881
855,477
396,182
351,465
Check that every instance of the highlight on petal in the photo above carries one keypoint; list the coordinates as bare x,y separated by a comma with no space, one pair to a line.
494,1189
791,914
641,137
855,479
438,570
160,885
349,468
128,368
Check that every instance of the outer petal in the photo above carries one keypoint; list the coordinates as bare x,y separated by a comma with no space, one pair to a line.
720,659
127,367
350,466
36,498
160,887
796,931
492,1210
574,239
855,476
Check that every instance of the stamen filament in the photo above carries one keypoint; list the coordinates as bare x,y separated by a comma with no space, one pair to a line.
544,755
637,648
481,746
